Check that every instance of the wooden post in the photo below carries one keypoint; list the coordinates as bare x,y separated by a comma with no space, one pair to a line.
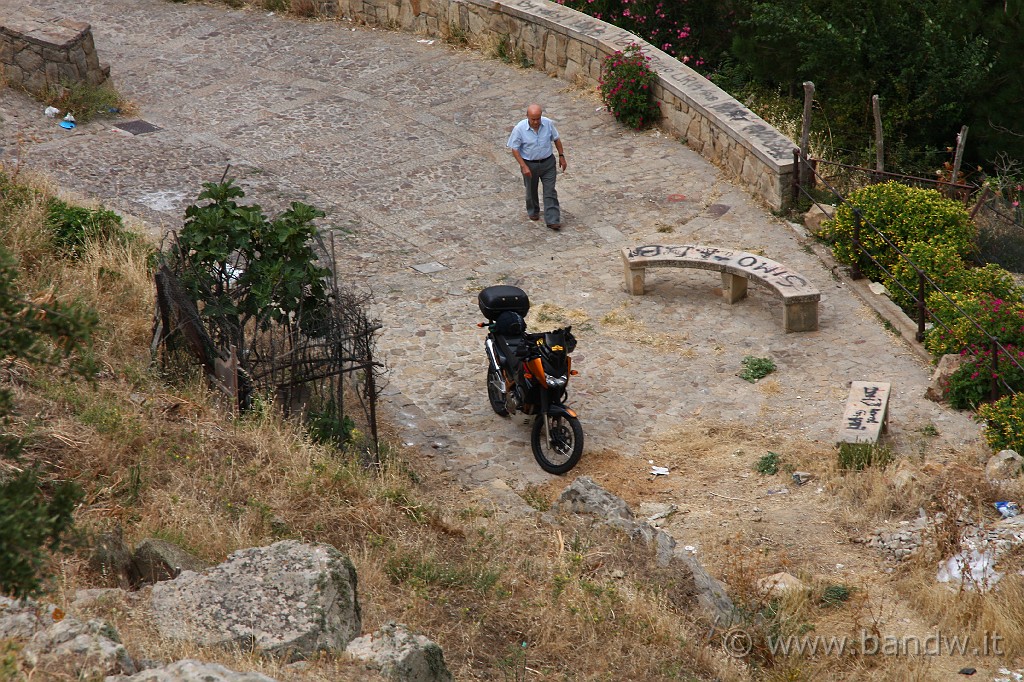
879,141
961,139
806,176
855,272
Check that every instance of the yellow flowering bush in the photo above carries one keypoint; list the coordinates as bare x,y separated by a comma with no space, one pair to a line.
1004,427
904,215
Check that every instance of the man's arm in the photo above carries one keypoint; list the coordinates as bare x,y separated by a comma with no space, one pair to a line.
561,154
522,164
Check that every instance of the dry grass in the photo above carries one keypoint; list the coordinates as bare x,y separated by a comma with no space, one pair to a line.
158,457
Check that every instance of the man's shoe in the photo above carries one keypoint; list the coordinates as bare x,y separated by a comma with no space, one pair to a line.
533,217
555,226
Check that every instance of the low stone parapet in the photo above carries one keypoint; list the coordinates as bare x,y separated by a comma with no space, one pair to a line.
572,46
38,52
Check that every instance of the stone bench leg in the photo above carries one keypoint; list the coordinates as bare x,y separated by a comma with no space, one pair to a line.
635,280
734,287
800,317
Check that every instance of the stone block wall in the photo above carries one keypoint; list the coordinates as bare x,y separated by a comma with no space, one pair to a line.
572,46
37,51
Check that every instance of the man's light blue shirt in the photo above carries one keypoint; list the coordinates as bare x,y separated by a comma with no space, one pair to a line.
533,146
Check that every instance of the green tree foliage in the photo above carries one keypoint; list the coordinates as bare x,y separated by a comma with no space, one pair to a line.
246,268
35,514
923,59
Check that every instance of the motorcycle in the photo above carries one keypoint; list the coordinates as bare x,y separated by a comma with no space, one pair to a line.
528,373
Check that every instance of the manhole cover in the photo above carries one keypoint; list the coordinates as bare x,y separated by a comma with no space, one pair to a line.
427,268
139,127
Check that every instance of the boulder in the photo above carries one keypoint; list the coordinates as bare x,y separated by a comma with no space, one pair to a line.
938,386
401,656
497,497
779,584
1004,465
91,598
60,647
289,599
584,496
155,560
111,556
816,217
188,670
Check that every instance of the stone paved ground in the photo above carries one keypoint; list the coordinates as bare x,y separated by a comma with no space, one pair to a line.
402,143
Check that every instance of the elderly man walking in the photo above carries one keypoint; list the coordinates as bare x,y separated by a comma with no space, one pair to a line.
530,143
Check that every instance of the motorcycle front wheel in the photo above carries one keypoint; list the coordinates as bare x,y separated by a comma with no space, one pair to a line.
495,394
561,451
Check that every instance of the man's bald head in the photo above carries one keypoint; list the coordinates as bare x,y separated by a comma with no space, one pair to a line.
533,113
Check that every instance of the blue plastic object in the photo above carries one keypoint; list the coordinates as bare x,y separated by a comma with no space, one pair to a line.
67,124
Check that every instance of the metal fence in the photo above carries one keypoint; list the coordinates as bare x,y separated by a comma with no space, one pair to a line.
813,184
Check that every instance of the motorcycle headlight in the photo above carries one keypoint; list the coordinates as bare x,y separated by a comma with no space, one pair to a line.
556,382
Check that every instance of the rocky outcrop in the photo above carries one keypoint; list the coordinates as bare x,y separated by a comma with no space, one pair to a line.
401,656
61,647
289,599
938,385
155,560
189,670
584,496
111,556
1003,466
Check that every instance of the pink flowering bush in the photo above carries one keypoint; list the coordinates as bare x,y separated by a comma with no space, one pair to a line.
627,88
696,32
971,384
955,332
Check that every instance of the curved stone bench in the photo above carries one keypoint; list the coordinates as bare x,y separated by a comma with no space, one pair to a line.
799,298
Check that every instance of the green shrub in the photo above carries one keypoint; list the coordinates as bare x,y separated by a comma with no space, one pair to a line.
949,273
74,228
955,331
904,215
326,425
85,101
627,88
35,515
768,465
859,456
942,264
1004,422
755,369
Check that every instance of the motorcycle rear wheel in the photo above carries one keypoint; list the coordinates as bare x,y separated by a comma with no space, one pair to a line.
495,395
562,452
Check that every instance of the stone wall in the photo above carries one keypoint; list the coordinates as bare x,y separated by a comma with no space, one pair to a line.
37,51
572,46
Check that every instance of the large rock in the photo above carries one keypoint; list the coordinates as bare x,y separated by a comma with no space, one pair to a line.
193,671
155,560
111,556
401,656
584,496
60,647
1004,465
289,599
815,218
938,386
